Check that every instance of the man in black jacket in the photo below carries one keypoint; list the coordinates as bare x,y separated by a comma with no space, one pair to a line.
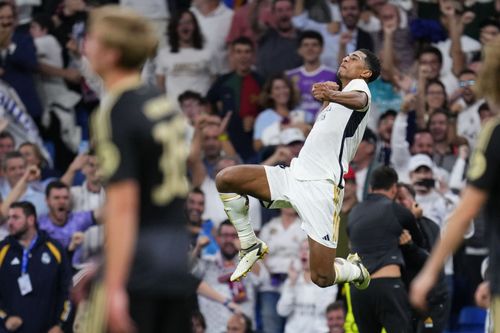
374,229
35,276
415,254
351,37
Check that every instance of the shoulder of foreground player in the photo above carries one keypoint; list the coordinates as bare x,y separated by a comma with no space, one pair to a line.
153,104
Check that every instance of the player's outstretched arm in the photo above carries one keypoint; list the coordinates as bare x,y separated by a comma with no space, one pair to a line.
121,226
329,92
472,201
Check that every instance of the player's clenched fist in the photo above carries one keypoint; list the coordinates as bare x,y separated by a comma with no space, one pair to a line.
322,91
332,85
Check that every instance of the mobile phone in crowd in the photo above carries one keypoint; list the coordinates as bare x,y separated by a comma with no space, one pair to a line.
78,34
84,147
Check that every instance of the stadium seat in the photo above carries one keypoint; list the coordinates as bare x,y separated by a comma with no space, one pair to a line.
472,320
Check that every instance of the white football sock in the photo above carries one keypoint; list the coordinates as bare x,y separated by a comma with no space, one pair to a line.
235,206
345,271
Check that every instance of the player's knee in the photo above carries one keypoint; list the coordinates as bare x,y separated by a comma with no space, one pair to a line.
225,179
322,280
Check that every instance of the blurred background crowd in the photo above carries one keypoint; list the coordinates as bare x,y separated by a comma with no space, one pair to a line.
242,73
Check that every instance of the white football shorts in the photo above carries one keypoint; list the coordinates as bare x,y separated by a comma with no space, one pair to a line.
317,202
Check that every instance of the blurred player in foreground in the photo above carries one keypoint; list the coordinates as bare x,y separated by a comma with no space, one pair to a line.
313,184
483,189
141,151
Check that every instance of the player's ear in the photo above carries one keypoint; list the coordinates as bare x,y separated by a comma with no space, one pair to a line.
366,74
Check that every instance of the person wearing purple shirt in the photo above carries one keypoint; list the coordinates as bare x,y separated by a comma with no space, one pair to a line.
303,77
62,224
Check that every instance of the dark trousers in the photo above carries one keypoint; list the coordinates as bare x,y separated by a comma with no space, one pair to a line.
384,304
161,314
436,319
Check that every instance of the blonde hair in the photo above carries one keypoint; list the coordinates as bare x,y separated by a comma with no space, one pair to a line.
126,31
488,82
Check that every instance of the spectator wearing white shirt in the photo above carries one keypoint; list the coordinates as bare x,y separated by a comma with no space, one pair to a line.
284,235
302,302
435,205
187,62
90,195
468,121
58,101
215,19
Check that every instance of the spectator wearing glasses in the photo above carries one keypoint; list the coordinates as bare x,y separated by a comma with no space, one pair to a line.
468,120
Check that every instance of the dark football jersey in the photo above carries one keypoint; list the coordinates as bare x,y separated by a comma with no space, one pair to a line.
484,174
140,137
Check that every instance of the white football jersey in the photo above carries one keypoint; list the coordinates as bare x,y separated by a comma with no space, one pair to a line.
333,140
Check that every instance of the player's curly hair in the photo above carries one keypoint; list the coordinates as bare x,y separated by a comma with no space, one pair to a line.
373,64
488,81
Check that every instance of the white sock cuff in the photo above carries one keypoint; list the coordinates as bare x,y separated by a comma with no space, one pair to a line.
345,271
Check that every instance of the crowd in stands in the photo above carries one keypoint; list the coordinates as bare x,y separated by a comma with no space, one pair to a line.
242,72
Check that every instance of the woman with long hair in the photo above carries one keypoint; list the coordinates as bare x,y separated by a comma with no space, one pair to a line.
279,99
435,99
184,64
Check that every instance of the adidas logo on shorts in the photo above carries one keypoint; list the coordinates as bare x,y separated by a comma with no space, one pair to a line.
327,238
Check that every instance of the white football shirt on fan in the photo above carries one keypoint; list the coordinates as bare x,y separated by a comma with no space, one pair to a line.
333,140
